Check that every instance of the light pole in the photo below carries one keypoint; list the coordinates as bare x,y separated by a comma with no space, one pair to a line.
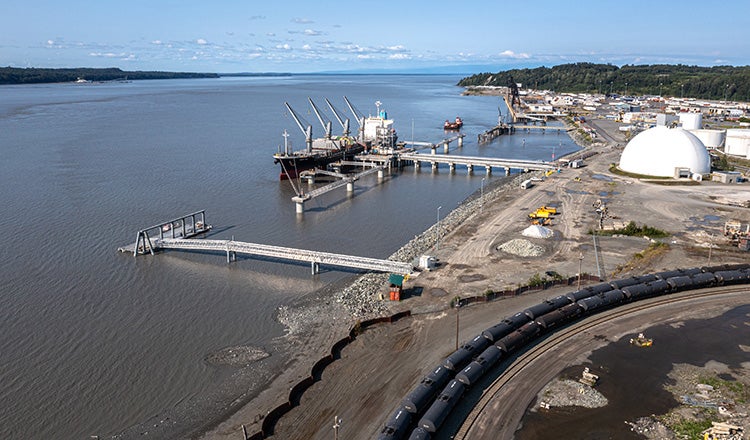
437,240
626,89
659,90
580,263
726,89
481,197
682,91
458,306
336,426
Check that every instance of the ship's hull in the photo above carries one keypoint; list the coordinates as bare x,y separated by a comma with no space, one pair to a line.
293,165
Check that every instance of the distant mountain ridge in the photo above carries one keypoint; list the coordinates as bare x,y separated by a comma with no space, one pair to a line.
719,82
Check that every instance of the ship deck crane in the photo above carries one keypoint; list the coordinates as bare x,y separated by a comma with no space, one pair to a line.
326,125
344,123
360,119
307,132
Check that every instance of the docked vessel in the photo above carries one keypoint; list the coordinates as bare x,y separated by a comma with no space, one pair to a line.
455,125
376,133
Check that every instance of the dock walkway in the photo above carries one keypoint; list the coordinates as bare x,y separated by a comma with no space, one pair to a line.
471,162
315,258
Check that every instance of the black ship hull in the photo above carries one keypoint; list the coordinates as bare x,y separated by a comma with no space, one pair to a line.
292,165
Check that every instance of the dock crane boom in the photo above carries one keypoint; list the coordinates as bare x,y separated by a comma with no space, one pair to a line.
344,124
307,132
360,119
326,125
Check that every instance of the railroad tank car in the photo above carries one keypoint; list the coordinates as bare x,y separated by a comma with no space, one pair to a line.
459,358
588,291
681,282
519,337
729,277
667,274
497,331
416,401
725,267
396,426
705,279
476,368
602,300
559,316
645,290
546,306
517,320
420,434
632,281
439,410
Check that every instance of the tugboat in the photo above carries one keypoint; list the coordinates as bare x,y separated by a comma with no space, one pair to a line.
375,132
456,125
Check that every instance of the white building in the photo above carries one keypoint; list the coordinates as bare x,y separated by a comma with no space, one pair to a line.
737,142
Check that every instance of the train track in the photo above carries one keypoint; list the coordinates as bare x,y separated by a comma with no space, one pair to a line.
561,336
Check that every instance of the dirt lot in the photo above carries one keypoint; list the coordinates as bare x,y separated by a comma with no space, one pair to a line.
380,366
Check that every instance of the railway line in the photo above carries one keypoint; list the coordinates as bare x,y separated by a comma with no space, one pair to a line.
557,339
518,340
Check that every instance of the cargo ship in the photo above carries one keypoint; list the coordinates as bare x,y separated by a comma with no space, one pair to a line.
376,133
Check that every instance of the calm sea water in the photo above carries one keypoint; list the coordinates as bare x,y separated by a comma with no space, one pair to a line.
94,341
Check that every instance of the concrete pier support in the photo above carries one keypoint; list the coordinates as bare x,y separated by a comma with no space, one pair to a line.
452,167
488,170
432,150
417,164
299,207
350,187
469,168
381,175
446,146
460,141
315,267
434,166
507,171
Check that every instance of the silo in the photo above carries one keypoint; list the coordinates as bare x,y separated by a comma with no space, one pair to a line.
710,138
737,142
691,121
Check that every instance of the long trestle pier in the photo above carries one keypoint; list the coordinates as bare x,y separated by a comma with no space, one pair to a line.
315,258
470,162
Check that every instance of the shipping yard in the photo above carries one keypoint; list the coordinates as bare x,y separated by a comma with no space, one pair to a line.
532,228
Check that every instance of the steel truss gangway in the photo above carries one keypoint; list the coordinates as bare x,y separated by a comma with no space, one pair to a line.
315,258
487,162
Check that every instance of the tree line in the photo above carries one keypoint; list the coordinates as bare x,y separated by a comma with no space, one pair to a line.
35,75
718,83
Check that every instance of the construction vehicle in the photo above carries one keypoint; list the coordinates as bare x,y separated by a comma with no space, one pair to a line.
550,209
540,213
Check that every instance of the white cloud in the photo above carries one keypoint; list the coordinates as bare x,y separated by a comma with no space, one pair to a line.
306,47
399,56
302,21
511,54
156,42
312,33
364,57
201,41
284,46
50,42
396,48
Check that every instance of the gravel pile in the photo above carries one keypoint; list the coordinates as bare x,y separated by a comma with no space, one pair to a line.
568,392
521,248
359,300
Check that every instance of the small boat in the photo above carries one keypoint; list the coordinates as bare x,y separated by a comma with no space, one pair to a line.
456,125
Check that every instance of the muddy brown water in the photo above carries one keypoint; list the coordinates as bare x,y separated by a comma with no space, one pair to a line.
633,379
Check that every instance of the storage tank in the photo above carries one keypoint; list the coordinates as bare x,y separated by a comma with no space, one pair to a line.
691,121
737,142
710,138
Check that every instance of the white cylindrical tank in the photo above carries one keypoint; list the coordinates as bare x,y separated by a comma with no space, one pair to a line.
737,142
710,138
691,121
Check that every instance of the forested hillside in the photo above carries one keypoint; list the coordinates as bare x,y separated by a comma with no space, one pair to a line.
720,82
14,75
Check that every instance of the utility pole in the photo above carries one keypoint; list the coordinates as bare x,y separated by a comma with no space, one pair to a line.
336,426
458,306
580,263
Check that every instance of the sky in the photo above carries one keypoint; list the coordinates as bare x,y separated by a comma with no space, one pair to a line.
459,36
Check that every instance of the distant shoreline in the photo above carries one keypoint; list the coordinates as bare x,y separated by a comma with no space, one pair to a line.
36,75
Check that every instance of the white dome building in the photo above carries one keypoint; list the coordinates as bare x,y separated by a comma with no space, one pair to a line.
659,150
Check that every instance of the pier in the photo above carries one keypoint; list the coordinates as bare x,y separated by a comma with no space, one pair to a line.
345,180
544,128
470,162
